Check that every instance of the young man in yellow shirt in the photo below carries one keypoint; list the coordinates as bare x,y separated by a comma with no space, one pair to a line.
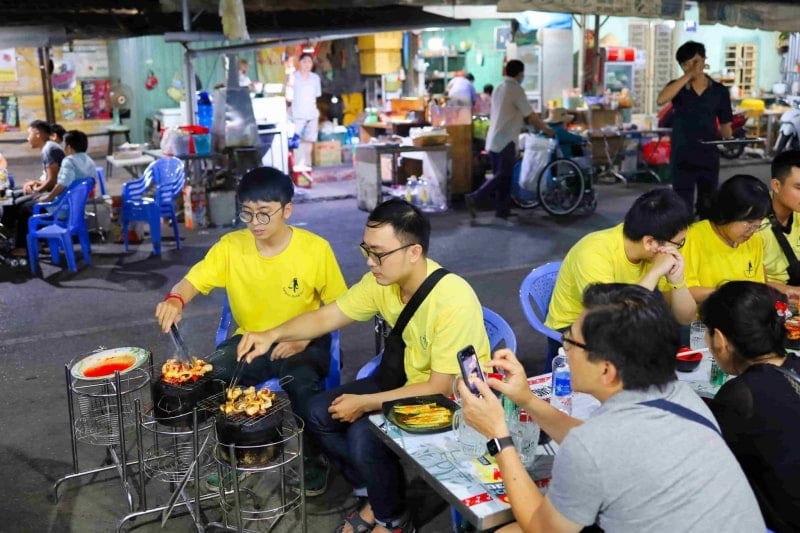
643,250
785,187
450,317
271,272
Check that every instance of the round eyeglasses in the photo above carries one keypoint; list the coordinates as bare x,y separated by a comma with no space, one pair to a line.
261,218
378,257
755,226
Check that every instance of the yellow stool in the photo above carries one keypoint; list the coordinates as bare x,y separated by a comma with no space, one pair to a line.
754,109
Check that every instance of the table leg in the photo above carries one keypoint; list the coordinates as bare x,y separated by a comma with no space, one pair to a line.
768,142
611,170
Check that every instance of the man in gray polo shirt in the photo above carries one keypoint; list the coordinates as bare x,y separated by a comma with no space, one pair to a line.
649,459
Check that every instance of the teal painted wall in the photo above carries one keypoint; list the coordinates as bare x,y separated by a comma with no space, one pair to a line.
480,33
714,37
130,61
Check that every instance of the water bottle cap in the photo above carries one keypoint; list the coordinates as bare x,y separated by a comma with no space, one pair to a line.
524,416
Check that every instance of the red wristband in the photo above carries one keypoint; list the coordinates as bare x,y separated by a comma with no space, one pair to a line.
176,296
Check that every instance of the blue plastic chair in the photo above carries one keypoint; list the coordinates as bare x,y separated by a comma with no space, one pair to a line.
498,330
64,219
168,177
334,378
534,295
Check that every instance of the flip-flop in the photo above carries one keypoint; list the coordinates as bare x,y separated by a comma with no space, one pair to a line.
357,524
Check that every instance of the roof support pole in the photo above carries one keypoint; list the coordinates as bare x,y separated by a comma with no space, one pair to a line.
190,84
47,83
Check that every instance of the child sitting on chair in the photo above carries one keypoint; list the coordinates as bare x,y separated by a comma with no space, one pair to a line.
571,144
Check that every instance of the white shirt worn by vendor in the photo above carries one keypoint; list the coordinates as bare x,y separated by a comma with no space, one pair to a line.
306,91
510,107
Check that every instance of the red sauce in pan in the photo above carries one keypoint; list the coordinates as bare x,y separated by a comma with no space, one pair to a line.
107,368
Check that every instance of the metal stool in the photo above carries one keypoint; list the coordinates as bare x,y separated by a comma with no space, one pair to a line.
114,130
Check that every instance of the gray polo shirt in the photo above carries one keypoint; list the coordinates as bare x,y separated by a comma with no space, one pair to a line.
633,468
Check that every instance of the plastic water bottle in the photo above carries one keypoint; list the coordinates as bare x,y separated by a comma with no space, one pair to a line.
205,110
561,395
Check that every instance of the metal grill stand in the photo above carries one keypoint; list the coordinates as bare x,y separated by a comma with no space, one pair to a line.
259,490
105,411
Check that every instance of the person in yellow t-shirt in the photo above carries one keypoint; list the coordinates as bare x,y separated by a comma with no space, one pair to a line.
271,272
785,185
642,250
727,246
395,244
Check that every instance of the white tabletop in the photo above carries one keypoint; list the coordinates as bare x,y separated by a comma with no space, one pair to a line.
456,477
698,379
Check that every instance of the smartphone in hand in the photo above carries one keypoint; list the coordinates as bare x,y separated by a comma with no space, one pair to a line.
470,368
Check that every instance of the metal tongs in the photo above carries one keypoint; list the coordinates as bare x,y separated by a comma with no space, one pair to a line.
237,374
183,352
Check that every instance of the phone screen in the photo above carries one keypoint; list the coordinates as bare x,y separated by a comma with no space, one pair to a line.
470,368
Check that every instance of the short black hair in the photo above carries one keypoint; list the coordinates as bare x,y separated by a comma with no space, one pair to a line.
410,224
77,140
634,329
514,67
688,50
265,184
42,126
782,164
58,130
742,197
470,77
660,213
488,88
745,312
305,55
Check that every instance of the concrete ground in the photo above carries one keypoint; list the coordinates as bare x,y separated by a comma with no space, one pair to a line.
47,321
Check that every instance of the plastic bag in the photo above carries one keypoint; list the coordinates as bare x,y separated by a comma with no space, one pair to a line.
234,25
537,154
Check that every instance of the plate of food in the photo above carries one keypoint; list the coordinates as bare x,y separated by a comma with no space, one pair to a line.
103,364
421,414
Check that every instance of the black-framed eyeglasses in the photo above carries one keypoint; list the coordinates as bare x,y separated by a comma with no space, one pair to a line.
566,339
261,218
377,257
677,245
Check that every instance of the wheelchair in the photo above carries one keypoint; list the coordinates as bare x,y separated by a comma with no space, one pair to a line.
563,185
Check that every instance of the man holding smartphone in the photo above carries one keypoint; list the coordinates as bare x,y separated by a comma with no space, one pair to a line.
395,245
650,458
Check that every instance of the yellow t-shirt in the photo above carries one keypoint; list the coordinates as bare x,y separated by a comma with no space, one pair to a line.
449,319
598,257
265,292
710,262
775,262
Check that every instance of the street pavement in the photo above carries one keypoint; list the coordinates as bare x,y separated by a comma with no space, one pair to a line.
47,321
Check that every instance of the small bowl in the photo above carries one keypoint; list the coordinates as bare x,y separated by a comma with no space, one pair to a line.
689,361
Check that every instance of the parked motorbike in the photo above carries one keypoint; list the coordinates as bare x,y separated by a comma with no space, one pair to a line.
739,132
789,134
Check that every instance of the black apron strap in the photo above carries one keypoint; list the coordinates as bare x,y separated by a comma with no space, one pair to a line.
794,263
417,298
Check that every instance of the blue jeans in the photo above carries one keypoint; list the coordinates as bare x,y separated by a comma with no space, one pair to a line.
304,368
358,452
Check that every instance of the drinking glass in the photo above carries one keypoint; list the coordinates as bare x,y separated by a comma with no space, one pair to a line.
697,335
525,433
472,443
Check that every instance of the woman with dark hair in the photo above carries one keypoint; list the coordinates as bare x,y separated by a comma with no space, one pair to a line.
758,409
727,246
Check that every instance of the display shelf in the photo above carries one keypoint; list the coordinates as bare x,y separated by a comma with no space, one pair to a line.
441,69
741,64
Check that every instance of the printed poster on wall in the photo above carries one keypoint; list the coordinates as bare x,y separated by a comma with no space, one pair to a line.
90,59
8,65
96,99
9,113
68,104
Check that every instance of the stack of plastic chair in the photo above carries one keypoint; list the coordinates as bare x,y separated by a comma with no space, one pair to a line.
334,378
63,219
534,295
167,177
